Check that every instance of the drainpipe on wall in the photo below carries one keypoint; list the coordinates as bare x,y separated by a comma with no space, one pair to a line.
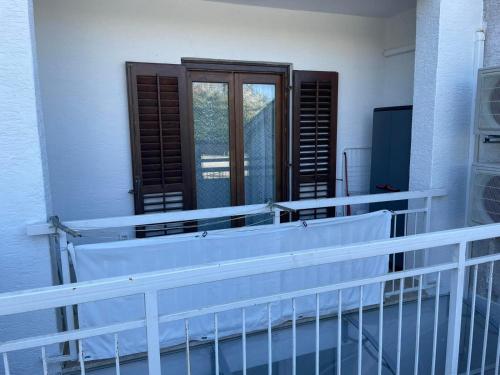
478,64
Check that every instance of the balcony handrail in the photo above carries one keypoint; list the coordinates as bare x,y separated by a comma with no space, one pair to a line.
453,241
81,292
212,213
139,323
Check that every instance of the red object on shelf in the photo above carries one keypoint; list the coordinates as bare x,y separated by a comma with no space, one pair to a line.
388,187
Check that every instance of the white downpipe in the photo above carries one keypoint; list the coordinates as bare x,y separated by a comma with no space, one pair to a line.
478,64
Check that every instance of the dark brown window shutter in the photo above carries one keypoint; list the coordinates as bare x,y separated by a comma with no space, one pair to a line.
314,138
159,137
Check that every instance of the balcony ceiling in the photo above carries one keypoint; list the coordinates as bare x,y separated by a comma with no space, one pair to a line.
368,8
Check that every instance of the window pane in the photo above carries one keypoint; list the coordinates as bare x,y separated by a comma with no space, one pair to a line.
259,144
211,142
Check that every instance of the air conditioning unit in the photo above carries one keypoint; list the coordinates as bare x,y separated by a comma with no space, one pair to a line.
488,102
485,196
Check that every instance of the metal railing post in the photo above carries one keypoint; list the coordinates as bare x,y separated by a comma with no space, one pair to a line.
277,216
457,281
427,229
428,208
69,317
152,331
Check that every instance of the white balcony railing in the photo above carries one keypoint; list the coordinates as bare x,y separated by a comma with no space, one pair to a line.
150,284
445,279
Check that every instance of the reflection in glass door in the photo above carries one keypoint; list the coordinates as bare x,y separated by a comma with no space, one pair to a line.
236,129
211,120
259,115
211,144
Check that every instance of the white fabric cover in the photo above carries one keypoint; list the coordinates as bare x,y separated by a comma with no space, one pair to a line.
102,260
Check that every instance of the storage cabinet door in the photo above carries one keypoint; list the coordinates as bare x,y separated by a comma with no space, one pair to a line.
390,164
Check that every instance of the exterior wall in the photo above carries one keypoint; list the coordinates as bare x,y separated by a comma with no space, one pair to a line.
24,261
83,46
400,31
444,81
492,47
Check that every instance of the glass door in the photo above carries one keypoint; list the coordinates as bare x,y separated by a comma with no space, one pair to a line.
212,115
258,117
236,128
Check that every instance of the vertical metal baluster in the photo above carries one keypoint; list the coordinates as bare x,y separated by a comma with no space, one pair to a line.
417,330
415,229
44,362
436,320
269,341
117,355
380,328
405,233
294,338
6,364
487,319
316,362
244,341
277,216
428,207
216,343
400,325
497,361
457,278
414,252
339,334
360,330
80,357
69,316
472,318
188,352
394,229
152,332
394,254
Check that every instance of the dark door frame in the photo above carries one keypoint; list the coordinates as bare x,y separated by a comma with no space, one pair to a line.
209,69
276,80
213,77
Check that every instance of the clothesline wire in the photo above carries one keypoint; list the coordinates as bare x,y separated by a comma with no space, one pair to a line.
248,213
165,227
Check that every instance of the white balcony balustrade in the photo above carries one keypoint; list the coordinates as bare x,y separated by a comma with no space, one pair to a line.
426,309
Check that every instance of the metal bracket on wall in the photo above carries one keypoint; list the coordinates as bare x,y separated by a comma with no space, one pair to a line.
56,223
273,205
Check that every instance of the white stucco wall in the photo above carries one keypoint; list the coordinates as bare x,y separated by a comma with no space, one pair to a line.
444,80
399,31
83,46
24,261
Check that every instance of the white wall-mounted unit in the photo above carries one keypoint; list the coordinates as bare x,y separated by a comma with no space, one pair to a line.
487,118
485,195
488,102
484,202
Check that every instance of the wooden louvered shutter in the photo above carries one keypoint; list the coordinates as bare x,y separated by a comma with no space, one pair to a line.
159,137
314,138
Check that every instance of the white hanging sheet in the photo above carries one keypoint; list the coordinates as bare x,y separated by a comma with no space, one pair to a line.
121,258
